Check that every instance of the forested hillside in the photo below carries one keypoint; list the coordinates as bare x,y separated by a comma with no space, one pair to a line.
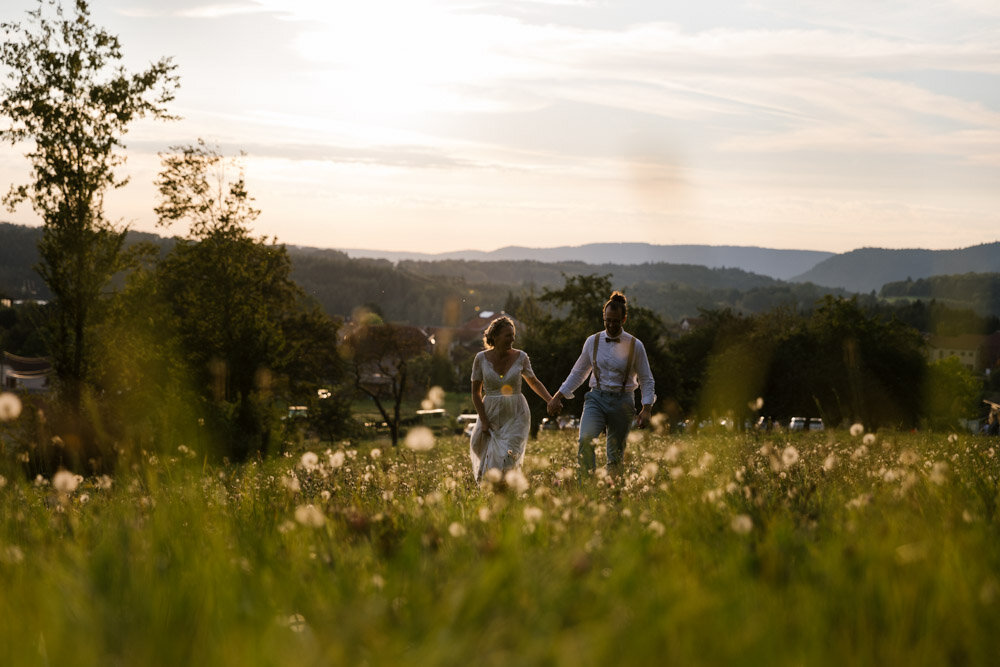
451,291
868,269
976,291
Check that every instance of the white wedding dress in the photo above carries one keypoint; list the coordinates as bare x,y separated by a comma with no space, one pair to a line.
507,410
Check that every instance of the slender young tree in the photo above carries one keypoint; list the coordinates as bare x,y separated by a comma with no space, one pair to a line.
67,95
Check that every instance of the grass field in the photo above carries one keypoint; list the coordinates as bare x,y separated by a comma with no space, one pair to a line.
824,549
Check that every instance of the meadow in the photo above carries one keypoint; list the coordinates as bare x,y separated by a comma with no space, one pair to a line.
833,548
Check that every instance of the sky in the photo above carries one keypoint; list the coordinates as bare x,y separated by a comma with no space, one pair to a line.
443,125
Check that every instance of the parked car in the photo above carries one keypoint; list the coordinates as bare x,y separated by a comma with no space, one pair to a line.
805,424
466,422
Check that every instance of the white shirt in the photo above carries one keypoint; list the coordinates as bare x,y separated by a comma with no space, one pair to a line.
611,360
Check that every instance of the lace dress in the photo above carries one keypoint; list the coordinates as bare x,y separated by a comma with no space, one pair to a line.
507,410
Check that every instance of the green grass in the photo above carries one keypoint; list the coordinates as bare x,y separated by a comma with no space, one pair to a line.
715,550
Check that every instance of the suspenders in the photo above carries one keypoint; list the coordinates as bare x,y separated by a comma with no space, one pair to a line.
628,364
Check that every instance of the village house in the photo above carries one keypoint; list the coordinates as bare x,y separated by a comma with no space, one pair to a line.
969,349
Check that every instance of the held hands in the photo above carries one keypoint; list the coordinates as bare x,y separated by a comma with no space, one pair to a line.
555,405
643,417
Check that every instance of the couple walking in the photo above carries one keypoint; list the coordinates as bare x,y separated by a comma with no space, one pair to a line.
616,363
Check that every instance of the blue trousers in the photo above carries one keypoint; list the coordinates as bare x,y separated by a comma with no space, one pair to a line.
605,410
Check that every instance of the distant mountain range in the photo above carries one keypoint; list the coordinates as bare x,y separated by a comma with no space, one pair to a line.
863,270
780,264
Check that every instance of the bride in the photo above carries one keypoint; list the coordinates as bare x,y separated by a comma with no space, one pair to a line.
500,435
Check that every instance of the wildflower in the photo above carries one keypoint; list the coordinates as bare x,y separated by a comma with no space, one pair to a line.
909,553
908,458
859,501
741,524
84,498
309,515
10,406
104,482
12,555
65,482
516,480
789,456
532,514
420,439
296,623
830,462
456,529
656,528
337,458
309,461
939,473
375,453
869,439
857,429
291,482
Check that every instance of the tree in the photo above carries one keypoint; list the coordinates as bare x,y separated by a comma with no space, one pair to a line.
952,394
243,324
69,95
380,355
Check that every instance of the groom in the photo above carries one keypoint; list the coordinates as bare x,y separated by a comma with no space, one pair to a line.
617,364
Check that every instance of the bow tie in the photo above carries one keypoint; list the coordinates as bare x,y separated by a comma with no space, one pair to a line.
612,340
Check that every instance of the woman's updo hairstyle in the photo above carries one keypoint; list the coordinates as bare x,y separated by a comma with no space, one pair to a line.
489,336
618,302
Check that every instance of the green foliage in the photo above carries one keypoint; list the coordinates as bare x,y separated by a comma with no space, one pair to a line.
952,394
68,94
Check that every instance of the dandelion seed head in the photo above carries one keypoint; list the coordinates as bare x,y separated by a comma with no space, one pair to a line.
789,456
65,482
337,458
656,528
375,453
516,480
309,515
857,429
741,524
309,461
493,475
830,462
12,555
869,439
456,529
532,514
484,514
10,406
435,395
419,439
296,623
939,472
